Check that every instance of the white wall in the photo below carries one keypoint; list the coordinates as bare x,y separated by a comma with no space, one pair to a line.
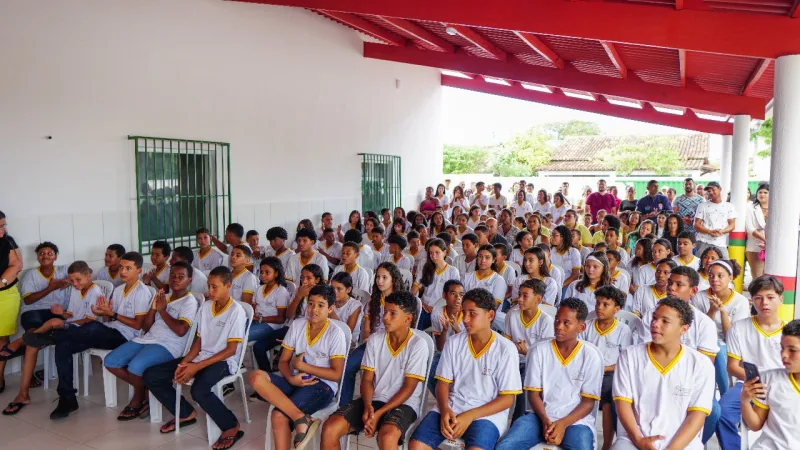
288,89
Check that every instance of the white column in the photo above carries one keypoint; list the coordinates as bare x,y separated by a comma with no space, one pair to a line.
725,164
782,225
738,189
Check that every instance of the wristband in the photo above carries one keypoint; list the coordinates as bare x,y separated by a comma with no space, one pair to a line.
114,316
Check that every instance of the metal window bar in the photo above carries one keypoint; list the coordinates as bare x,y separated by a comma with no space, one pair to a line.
380,181
181,185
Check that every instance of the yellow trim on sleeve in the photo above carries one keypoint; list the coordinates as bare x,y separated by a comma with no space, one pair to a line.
637,314
436,333
707,353
282,307
248,292
91,318
289,279
287,347
26,295
697,408
443,379
593,397
336,357
510,392
197,335
760,405
731,355
234,340
533,389
141,314
367,368
417,285
623,399
416,377
184,319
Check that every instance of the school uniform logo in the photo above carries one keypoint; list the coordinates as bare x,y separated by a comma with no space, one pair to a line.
680,391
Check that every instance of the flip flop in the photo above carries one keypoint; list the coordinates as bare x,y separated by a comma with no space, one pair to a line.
230,441
14,408
302,439
129,413
184,423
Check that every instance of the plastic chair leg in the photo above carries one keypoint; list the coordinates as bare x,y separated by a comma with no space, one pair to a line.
156,410
178,396
76,379
110,388
87,363
212,429
46,358
244,400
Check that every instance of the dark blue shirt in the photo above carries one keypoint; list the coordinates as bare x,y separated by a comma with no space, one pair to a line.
656,204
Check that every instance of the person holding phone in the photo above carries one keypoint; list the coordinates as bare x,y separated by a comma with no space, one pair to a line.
769,400
754,341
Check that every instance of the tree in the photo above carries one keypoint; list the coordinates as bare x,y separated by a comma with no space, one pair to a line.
764,131
560,130
466,159
656,155
523,155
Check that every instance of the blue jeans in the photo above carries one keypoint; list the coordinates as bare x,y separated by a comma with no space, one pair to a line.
481,433
350,371
424,320
519,403
728,426
265,338
721,369
138,357
35,318
711,422
527,432
75,340
308,399
432,374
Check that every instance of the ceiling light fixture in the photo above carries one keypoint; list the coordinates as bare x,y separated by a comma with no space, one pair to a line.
451,31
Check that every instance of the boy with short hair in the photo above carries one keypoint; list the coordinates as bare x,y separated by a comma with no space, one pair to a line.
165,332
612,238
41,290
620,278
257,251
756,340
159,274
206,257
478,379
234,235
305,239
447,319
82,294
646,298
609,335
482,233
685,250
497,200
214,355
422,230
311,366
392,383
277,237
563,380
465,262
663,390
243,283
396,256
366,257
415,250
124,313
330,248
110,271
360,276
199,284
380,249
774,409
503,269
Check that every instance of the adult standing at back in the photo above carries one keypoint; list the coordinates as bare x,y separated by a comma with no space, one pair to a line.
601,199
10,266
629,204
755,224
713,220
654,202
686,205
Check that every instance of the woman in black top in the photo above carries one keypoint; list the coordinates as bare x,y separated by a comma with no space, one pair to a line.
629,204
10,266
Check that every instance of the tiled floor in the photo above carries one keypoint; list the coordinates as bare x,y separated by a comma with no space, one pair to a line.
96,427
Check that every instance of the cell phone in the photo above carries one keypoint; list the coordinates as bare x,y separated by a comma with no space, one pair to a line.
750,371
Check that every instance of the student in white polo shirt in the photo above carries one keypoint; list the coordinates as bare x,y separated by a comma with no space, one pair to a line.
271,302
609,335
431,278
214,355
110,270
305,239
663,389
330,248
534,266
158,275
647,297
478,379
595,274
685,251
243,283
347,309
774,394
277,237
206,257
165,331
199,284
349,259
447,319
485,276
392,382
396,256
311,365
562,380
756,340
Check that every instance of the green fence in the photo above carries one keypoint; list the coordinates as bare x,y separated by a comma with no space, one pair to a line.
380,182
181,185
640,184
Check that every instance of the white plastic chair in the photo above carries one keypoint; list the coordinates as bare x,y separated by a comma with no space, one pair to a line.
514,266
408,279
156,409
324,413
419,312
345,445
628,318
748,436
550,310
362,296
212,429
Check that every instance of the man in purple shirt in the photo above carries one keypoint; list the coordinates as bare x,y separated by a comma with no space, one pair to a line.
601,200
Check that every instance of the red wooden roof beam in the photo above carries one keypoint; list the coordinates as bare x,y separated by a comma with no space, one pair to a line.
365,27
541,48
479,41
755,76
767,36
615,58
601,106
570,78
420,33
795,12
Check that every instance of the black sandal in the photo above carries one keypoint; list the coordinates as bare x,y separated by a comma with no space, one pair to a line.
184,423
13,408
229,441
129,413
36,381
302,439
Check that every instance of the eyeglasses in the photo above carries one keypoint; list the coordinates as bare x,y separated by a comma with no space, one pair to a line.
3,226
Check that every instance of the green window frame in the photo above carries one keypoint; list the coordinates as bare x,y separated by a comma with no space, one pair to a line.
181,185
381,185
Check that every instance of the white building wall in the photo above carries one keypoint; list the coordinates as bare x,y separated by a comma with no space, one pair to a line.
287,88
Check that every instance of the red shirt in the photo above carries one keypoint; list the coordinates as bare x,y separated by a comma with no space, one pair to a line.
598,201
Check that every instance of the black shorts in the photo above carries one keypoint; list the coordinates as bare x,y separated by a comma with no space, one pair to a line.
605,391
401,417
